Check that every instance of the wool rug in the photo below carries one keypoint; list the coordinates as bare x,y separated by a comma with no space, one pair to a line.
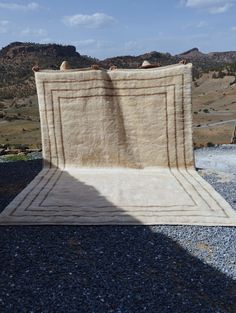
117,149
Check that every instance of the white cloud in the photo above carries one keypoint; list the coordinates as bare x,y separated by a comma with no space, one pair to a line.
95,47
202,24
4,26
86,43
33,32
4,23
233,28
19,7
8,27
211,6
132,45
92,44
96,20
45,40
221,9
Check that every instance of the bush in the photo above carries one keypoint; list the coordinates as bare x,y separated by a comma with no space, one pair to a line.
221,74
214,75
21,147
210,144
17,157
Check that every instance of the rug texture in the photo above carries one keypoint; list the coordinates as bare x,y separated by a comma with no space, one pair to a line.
117,149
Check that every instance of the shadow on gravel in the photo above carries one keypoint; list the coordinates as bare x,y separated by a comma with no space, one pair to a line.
101,269
14,177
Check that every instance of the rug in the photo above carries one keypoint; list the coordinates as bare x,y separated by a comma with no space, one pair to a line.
117,149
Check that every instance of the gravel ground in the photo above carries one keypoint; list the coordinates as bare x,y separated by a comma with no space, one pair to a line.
120,269
218,158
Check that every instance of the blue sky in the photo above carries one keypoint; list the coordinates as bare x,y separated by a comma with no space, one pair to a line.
106,28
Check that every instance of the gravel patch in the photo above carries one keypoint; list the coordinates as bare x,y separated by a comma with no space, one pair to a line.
120,269
219,158
15,176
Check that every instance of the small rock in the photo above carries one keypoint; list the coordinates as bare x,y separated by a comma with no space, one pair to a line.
2,151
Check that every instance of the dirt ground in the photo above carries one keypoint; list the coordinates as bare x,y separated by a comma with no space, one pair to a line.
214,110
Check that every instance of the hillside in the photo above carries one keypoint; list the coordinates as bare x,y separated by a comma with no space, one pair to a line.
214,88
17,59
136,61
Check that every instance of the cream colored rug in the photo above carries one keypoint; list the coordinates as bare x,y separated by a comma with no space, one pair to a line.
118,150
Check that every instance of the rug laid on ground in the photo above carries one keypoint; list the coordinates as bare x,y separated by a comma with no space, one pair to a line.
117,149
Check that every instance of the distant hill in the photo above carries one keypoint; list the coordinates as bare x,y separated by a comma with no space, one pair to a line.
136,61
17,59
212,57
208,61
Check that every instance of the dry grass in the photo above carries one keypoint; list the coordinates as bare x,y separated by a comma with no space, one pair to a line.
214,101
20,132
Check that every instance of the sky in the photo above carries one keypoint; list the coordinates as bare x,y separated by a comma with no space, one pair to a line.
107,28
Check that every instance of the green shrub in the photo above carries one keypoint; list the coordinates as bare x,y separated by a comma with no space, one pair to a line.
17,157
